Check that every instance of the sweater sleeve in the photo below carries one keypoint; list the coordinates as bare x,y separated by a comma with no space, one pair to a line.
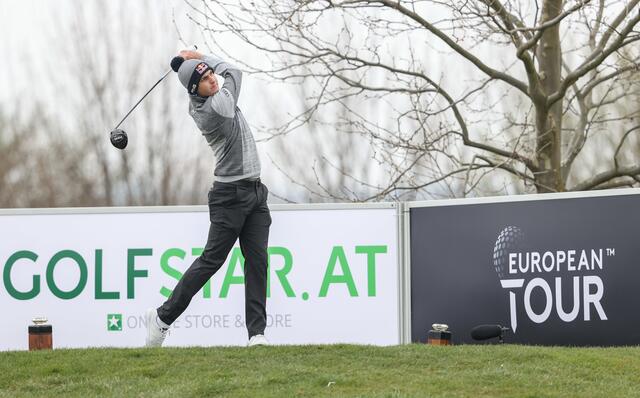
232,77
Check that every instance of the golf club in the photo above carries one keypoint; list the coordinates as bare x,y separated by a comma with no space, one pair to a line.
118,137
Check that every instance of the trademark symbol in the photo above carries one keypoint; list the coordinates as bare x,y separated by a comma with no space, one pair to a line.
611,252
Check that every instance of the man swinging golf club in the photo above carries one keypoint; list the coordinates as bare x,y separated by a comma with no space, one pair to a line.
237,201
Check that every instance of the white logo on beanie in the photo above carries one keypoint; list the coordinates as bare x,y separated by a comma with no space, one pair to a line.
201,67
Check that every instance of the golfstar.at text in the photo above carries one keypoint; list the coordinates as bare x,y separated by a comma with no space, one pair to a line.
534,263
338,275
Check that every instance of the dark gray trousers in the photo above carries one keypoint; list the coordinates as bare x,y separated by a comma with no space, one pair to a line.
236,210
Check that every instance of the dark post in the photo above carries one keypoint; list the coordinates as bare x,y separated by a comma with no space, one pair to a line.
40,335
439,335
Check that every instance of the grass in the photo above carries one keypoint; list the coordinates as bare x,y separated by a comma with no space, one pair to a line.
326,371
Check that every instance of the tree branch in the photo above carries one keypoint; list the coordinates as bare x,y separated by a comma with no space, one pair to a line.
594,61
539,30
604,177
493,73
624,137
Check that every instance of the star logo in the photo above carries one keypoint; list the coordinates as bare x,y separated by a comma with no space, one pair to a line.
114,322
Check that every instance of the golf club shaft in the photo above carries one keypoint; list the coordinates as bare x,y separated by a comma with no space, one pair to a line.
194,47
147,93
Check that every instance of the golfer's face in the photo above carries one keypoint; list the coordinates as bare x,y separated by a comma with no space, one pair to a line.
208,85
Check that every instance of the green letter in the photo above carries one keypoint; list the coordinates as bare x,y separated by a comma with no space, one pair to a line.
172,272
83,274
99,293
229,278
132,273
371,252
283,272
13,292
338,256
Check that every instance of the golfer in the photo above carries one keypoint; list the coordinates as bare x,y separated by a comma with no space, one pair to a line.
237,201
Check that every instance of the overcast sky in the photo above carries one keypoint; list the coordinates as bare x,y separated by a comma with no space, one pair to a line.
32,48
29,29
32,54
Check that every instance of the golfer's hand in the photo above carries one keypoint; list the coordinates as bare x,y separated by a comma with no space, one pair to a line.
190,54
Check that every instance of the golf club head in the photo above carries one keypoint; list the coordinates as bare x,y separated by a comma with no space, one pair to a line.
119,139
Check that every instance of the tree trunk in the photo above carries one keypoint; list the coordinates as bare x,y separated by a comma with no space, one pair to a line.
549,120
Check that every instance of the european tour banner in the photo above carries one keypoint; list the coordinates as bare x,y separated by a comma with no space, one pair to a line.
559,271
333,277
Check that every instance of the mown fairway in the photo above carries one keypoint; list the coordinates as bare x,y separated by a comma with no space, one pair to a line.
339,370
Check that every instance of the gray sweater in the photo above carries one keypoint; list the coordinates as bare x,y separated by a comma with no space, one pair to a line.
224,127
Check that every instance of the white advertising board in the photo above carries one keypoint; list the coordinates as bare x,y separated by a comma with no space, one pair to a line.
333,276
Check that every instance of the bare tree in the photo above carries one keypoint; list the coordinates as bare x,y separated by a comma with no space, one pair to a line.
101,72
333,168
38,166
54,146
153,169
11,151
523,94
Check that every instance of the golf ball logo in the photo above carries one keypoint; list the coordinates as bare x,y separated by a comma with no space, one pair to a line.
509,241
526,272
